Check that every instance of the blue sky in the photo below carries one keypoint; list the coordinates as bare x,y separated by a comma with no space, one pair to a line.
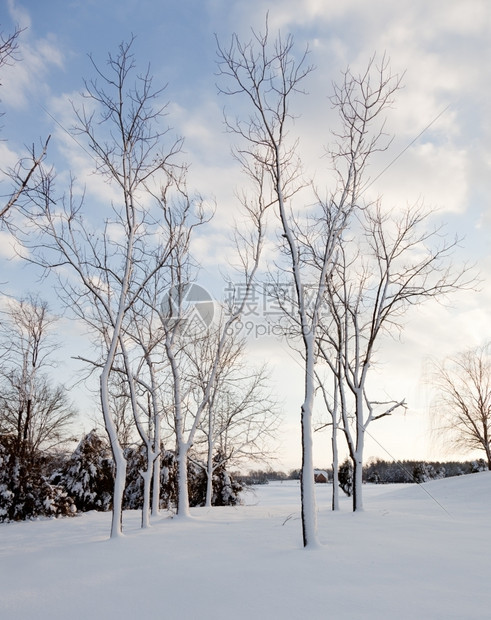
443,48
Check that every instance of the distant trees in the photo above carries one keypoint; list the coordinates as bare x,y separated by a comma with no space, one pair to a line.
377,471
36,414
462,406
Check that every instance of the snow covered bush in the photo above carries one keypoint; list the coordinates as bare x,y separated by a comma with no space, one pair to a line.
423,472
168,482
478,465
196,482
135,462
345,476
87,477
25,492
88,474
57,502
226,490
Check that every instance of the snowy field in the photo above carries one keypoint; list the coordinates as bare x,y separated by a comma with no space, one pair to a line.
408,556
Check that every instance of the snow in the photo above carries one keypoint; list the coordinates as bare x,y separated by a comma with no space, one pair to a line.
415,552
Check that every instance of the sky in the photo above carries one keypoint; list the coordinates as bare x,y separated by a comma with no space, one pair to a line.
440,153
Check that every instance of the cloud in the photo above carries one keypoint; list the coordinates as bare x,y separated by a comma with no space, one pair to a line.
25,80
8,157
434,174
10,248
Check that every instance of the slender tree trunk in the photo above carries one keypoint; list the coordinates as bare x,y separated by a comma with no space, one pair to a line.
27,420
156,443
118,456
209,464
307,486
209,487
147,482
488,455
357,454
182,481
358,475
335,464
117,450
182,447
209,479
156,484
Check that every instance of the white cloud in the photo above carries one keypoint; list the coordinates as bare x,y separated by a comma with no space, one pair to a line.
24,79
434,174
10,248
8,157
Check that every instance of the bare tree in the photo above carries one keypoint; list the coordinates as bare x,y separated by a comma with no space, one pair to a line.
397,261
108,269
184,321
462,407
267,74
135,400
33,411
241,417
246,417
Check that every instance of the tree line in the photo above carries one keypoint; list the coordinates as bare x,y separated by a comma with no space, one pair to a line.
377,471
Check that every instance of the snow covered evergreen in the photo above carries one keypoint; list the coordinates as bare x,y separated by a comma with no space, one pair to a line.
25,490
88,476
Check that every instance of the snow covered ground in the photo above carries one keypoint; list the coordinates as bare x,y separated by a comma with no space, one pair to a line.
418,553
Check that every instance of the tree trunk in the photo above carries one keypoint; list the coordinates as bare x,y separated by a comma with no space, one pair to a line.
209,464
156,440
147,481
118,457
182,481
358,481
156,484
27,420
335,465
209,487
357,455
307,486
